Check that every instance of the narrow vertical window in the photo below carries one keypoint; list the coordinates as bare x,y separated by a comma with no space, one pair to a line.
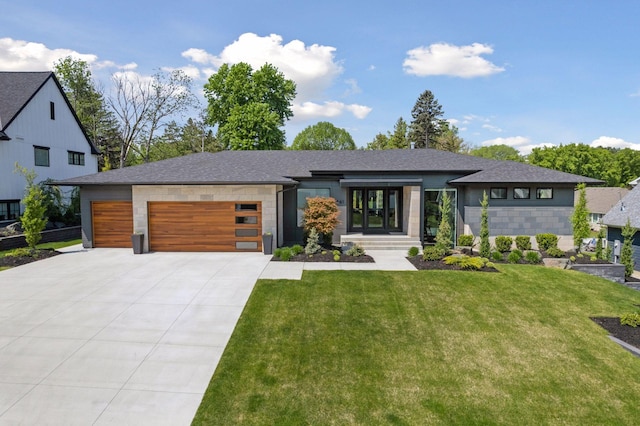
52,110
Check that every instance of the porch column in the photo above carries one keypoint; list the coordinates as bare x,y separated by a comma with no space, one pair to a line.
413,222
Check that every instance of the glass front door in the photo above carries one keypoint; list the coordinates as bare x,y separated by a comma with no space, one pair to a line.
375,210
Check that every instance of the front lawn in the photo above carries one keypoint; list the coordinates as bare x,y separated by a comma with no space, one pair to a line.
428,347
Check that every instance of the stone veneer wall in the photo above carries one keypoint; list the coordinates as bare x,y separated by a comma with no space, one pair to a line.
411,210
521,220
266,194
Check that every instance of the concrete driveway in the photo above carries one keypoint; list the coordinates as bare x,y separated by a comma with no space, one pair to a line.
103,336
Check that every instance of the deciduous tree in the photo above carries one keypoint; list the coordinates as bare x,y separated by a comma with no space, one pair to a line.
497,152
249,107
33,220
323,135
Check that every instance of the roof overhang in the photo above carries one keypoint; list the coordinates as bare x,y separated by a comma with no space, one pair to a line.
4,136
384,183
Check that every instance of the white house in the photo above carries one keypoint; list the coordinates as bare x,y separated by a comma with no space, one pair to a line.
40,131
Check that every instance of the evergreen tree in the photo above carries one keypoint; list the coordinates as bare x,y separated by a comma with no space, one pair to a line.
443,235
426,125
626,253
580,218
485,246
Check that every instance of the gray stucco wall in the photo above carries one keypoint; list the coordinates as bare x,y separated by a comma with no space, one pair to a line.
98,193
521,220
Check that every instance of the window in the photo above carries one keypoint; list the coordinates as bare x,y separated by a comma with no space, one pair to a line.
52,110
520,193
9,209
41,154
76,158
303,194
246,207
544,193
498,193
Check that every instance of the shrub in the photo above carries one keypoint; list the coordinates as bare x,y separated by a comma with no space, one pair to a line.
497,256
546,241
466,240
312,246
465,262
433,253
555,252
297,249
33,220
523,242
572,258
630,319
532,257
593,258
336,257
413,251
356,250
321,214
490,265
600,251
515,256
503,243
277,252
626,252
286,254
580,255
20,252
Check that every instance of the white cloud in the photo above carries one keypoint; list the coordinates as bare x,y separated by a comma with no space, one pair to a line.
20,55
521,143
309,110
610,142
492,128
451,60
313,67
353,87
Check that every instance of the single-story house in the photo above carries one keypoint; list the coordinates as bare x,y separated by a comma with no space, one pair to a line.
626,209
599,201
227,200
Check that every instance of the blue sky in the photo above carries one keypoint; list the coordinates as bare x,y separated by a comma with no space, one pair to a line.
523,73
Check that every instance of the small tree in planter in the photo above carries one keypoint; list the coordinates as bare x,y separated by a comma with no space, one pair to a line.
321,214
580,218
626,253
485,245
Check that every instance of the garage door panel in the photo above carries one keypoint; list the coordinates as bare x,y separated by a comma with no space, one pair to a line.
202,226
112,223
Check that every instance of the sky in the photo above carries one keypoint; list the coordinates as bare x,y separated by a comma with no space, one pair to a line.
521,73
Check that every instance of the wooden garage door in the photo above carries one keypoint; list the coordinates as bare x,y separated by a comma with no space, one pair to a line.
205,226
112,223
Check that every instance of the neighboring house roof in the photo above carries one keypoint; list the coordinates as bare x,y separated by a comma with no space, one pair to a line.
18,88
286,167
601,199
627,208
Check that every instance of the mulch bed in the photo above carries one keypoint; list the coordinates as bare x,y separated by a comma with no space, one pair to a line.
13,261
425,265
327,257
626,333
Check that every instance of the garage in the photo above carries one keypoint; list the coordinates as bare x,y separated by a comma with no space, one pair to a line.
112,223
205,226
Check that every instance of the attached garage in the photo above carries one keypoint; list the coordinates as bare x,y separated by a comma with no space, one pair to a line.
112,223
205,226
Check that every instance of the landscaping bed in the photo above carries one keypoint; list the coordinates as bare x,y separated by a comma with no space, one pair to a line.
326,257
426,265
12,261
626,333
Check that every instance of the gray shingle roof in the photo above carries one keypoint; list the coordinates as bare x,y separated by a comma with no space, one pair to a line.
16,89
282,167
627,208
601,200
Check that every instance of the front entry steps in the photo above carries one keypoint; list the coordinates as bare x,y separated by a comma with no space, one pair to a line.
381,242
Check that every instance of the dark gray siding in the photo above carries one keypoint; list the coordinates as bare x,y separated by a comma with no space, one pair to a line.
98,193
616,234
522,221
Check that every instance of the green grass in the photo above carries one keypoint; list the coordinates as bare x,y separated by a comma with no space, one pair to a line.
427,347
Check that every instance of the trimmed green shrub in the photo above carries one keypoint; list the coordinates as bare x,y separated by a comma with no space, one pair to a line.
503,243
277,252
297,249
555,252
632,320
336,257
546,241
433,253
413,251
593,258
336,252
515,256
355,250
532,257
497,256
285,254
472,263
466,240
20,252
485,247
626,252
523,242
572,258
490,265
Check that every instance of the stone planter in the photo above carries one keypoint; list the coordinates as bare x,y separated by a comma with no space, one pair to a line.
267,243
610,271
137,242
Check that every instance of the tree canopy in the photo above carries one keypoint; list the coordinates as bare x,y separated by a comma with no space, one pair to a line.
426,124
249,108
448,139
497,152
396,140
323,135
615,167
